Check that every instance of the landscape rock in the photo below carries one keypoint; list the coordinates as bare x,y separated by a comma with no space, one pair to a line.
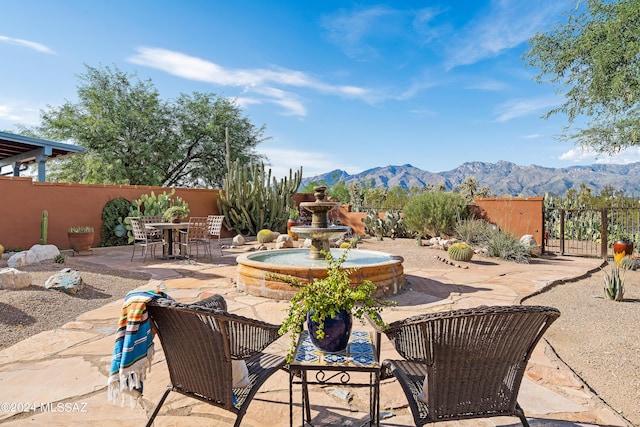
66,280
306,244
238,240
10,278
529,241
36,254
284,241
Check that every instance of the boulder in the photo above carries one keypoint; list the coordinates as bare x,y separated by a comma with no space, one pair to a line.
36,254
306,244
529,241
284,241
65,280
238,240
10,278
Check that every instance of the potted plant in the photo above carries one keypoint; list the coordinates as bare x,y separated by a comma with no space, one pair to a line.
294,220
80,238
329,305
623,244
176,213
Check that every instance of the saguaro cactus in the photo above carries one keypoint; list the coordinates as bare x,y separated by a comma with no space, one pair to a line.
44,225
253,200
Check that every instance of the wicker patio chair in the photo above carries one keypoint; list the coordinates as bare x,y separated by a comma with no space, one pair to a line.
473,359
214,223
200,340
197,234
144,238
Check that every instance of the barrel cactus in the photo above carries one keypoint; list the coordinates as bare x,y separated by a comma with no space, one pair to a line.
460,252
265,236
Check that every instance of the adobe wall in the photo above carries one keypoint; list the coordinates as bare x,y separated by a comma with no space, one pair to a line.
22,201
519,216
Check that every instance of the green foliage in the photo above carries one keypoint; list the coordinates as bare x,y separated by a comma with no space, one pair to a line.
44,225
434,213
253,200
469,189
323,298
391,225
80,229
504,245
59,259
629,263
294,213
356,196
593,56
339,191
175,212
474,231
265,236
134,137
460,252
152,205
614,284
113,214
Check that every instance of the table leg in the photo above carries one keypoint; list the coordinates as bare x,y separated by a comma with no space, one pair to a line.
291,397
306,407
169,239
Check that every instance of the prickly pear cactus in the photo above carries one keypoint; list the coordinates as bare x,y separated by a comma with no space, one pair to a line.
460,252
265,236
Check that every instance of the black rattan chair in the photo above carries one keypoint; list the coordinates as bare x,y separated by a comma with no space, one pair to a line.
199,342
474,360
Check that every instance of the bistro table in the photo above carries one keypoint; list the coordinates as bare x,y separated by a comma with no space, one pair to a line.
361,355
168,228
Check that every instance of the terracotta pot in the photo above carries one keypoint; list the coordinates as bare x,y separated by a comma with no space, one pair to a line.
336,332
81,242
292,223
623,246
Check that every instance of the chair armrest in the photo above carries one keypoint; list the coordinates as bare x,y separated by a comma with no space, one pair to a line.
248,337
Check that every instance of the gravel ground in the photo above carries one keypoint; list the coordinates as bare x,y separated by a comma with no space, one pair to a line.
35,309
597,338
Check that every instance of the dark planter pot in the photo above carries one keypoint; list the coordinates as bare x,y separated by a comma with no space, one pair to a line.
623,246
81,242
336,330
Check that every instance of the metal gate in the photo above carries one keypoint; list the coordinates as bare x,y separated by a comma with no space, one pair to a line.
590,231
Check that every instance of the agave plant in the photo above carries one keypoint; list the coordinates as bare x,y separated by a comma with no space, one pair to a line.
614,284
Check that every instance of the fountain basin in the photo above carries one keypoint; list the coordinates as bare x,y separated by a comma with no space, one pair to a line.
253,269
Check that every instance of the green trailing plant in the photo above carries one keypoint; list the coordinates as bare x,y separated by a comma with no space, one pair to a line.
265,236
59,259
629,263
80,229
460,252
44,225
614,284
325,297
253,200
175,212
113,232
504,245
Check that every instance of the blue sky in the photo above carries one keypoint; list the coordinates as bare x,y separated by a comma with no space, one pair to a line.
338,84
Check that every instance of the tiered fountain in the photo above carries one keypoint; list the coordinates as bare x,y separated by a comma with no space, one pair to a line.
254,269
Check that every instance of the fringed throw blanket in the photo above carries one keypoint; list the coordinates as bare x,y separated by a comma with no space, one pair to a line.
133,349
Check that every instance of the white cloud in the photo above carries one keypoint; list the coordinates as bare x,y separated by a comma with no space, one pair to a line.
16,112
489,85
313,163
258,80
518,108
588,155
505,25
28,44
532,136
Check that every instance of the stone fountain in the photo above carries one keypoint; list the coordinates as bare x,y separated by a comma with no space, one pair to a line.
255,270
319,231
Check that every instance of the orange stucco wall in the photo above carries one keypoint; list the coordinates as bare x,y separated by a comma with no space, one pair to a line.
519,216
22,201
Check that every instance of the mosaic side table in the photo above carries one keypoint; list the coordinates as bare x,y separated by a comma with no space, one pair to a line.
361,355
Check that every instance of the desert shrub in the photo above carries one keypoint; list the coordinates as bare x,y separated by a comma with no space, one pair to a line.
113,214
504,245
435,213
474,231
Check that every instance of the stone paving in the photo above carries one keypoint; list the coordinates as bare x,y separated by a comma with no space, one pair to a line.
59,376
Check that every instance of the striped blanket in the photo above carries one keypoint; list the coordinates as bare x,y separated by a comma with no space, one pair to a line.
133,349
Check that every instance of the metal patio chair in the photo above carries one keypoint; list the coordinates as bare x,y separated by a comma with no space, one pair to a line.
199,342
144,238
473,359
214,223
197,234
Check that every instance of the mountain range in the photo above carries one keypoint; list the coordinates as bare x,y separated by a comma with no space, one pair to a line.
503,178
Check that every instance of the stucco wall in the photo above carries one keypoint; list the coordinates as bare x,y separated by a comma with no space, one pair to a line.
23,200
519,216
